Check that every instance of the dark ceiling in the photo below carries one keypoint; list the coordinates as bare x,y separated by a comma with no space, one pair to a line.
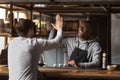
65,7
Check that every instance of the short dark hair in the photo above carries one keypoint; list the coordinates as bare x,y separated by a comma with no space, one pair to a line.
24,26
90,23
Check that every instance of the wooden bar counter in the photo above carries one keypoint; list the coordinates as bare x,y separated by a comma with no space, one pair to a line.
77,74
3,70
49,73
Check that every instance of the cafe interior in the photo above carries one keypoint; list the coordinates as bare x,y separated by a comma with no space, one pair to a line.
104,13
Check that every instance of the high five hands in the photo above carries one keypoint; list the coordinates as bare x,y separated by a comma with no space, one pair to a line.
58,25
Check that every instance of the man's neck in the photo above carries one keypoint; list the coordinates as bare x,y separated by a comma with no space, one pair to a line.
82,39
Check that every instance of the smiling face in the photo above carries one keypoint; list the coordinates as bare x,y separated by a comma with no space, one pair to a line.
85,30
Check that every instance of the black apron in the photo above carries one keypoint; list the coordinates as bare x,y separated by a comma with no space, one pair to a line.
79,55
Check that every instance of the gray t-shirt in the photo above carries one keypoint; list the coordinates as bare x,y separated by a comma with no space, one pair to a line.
92,47
23,55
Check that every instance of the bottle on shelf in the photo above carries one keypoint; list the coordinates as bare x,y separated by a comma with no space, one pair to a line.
104,60
65,56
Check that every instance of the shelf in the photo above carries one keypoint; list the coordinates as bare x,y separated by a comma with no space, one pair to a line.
4,34
70,33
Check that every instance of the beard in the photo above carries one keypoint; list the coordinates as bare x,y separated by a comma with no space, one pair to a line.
83,36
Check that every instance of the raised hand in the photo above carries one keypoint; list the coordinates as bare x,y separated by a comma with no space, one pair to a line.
58,25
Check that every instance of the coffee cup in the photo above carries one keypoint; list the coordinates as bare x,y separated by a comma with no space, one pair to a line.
111,67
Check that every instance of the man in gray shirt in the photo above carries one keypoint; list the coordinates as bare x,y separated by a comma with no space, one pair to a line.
24,51
85,41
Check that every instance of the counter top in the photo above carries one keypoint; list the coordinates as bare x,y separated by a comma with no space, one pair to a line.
70,72
3,70
79,72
